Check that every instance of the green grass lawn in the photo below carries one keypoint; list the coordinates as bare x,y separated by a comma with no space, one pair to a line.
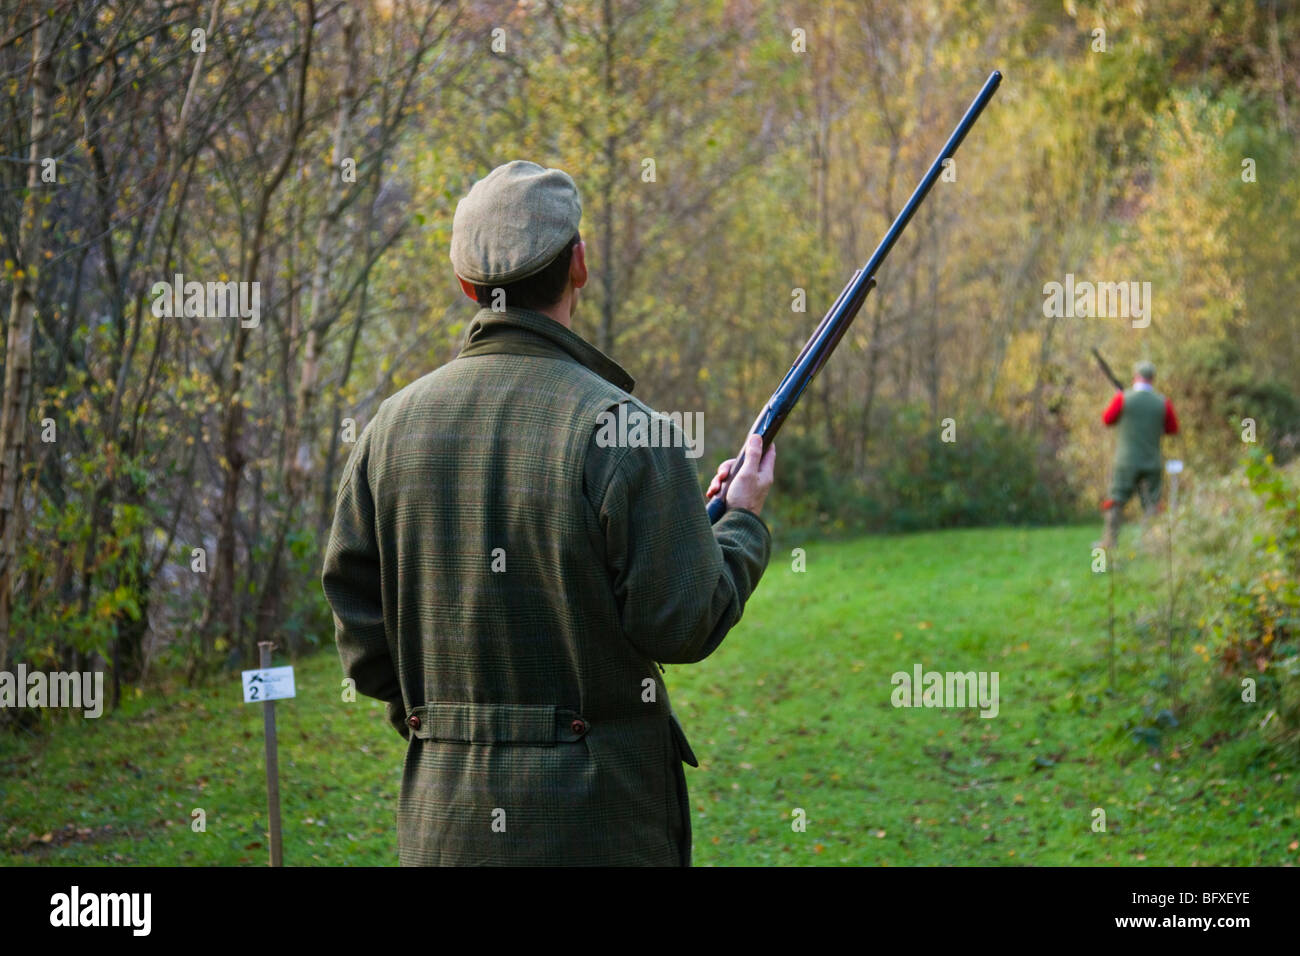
794,711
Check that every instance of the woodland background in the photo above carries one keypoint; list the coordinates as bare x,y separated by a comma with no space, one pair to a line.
774,170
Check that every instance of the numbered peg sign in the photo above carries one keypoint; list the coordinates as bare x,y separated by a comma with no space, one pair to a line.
269,683
1173,466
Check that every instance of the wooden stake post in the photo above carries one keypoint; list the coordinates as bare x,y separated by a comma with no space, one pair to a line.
272,763
1173,468
266,686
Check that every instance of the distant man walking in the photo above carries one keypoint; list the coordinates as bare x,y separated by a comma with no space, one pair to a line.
1143,416
506,580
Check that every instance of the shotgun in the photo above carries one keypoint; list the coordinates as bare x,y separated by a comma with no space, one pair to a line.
1105,368
841,314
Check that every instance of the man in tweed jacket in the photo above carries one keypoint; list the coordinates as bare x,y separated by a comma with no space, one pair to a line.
508,583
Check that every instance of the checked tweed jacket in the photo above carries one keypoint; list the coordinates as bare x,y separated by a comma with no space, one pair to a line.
507,585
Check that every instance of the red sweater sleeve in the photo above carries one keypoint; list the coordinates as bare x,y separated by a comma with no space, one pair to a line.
1171,420
1111,415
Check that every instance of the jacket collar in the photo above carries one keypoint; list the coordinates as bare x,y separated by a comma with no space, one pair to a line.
525,332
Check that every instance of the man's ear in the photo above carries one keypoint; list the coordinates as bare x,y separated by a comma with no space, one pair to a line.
467,288
578,266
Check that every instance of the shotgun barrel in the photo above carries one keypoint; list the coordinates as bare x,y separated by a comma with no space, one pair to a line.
841,314
1105,370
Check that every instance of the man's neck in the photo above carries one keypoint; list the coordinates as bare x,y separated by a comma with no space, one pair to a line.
561,312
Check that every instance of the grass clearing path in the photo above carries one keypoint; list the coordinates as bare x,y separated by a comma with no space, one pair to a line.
793,711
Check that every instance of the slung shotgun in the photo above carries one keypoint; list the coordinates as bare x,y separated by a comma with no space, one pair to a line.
1105,370
837,320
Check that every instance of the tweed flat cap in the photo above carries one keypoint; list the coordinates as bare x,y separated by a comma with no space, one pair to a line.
1145,370
514,221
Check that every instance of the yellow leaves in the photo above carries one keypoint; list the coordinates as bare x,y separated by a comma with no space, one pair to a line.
108,604
82,414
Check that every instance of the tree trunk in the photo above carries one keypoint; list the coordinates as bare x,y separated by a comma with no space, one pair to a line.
18,350
298,443
607,306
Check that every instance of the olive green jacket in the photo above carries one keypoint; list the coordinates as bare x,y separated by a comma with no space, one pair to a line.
507,585
1142,423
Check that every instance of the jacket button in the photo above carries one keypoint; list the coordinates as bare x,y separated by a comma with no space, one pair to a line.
414,722
579,727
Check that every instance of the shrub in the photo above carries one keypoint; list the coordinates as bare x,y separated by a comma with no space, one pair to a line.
990,474
1250,607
